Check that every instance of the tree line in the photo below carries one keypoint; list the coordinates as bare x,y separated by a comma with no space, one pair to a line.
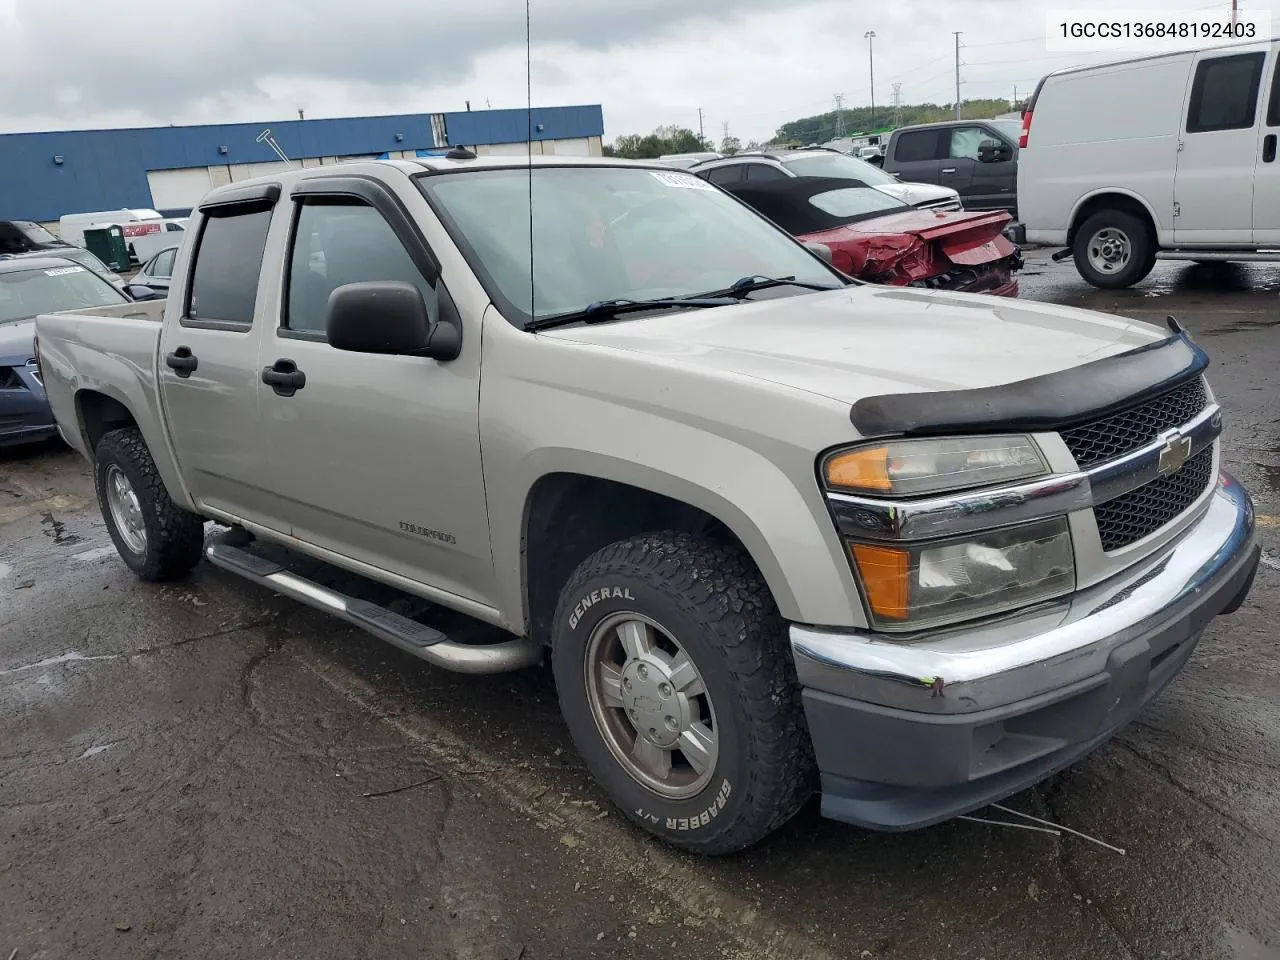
817,129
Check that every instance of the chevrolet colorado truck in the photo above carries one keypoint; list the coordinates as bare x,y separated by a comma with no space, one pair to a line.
777,531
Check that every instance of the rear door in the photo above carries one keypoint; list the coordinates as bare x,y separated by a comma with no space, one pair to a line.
918,155
376,457
1266,191
1218,155
208,363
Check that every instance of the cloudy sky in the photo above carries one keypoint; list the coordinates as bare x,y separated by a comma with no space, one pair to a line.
750,63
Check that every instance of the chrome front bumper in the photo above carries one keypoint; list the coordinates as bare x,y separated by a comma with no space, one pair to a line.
909,732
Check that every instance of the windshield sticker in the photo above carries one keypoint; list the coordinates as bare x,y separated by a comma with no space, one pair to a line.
683,180
63,271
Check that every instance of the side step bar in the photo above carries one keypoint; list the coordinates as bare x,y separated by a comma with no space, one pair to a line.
410,636
1240,256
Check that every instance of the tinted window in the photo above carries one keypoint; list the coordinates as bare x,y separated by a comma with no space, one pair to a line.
224,284
837,165
336,244
162,265
1273,112
917,146
965,142
722,175
1225,93
760,172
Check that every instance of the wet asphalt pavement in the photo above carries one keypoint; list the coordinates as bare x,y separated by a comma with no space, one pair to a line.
205,770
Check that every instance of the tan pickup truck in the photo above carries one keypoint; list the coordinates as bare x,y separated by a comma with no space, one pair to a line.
777,531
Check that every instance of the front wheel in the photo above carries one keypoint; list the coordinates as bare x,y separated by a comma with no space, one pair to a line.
1114,249
676,680
156,538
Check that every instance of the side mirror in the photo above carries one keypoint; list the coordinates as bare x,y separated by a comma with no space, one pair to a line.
387,317
140,291
819,250
993,151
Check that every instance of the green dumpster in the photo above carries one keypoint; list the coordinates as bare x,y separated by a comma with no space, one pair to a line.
109,246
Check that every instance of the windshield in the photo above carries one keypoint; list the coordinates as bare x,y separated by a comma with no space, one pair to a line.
87,259
34,232
838,165
25,293
608,233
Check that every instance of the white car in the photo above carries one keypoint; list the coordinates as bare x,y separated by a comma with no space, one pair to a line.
823,162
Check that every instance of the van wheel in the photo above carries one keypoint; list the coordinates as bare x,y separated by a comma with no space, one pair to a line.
157,539
1114,250
676,680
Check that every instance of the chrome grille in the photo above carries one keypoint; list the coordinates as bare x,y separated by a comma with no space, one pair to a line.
1121,433
1139,514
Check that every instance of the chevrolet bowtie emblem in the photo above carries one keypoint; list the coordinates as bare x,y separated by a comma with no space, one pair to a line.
1175,452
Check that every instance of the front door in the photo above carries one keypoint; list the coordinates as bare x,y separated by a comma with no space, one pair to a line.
377,457
1218,157
208,368
1266,191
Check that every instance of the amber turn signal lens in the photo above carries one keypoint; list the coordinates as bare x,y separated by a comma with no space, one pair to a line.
885,573
866,469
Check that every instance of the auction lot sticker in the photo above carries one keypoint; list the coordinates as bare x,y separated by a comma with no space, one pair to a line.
1148,31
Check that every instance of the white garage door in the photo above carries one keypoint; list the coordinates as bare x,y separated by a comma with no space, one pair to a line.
247,171
568,148
178,189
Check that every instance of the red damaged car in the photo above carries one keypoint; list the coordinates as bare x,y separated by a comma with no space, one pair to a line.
877,238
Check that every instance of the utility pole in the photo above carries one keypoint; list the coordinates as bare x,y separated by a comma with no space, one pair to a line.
870,36
957,33
1235,14
897,104
839,99
726,134
701,135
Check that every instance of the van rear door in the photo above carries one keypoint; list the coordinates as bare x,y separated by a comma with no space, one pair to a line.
1218,155
1266,191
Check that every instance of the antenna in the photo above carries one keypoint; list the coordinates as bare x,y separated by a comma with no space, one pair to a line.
266,137
528,86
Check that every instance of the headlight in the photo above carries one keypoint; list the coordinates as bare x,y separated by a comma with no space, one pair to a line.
906,468
910,587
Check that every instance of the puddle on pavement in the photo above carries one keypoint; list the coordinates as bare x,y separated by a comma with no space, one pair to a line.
1245,946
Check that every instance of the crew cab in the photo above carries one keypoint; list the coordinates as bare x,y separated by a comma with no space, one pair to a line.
777,531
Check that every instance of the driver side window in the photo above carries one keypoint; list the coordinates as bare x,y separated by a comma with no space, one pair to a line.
336,242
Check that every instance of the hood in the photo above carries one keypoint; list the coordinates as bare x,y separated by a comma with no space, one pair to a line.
867,340
17,342
917,193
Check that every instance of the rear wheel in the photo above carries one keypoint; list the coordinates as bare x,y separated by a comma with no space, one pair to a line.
675,677
156,538
1114,249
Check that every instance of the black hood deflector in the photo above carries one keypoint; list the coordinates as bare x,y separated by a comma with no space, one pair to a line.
1054,401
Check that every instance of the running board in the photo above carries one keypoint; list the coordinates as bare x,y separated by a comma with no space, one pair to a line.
1238,256
414,638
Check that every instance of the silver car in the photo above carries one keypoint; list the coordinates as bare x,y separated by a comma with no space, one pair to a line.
157,272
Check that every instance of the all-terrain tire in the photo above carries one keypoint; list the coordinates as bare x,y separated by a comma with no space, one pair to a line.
174,538
1117,225
712,600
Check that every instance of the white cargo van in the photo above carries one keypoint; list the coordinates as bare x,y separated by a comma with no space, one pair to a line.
72,226
1169,157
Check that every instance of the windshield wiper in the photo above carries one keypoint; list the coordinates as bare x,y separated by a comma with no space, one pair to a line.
740,288
606,310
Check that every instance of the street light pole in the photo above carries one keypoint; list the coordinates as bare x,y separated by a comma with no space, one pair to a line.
871,53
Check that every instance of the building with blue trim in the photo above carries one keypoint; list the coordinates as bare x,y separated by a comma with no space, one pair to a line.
46,175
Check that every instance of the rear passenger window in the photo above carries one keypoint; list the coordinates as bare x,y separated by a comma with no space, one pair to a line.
917,146
336,243
162,266
1225,93
760,172
722,175
224,283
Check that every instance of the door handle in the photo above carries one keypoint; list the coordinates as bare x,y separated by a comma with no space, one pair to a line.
284,378
949,170
1269,148
182,362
